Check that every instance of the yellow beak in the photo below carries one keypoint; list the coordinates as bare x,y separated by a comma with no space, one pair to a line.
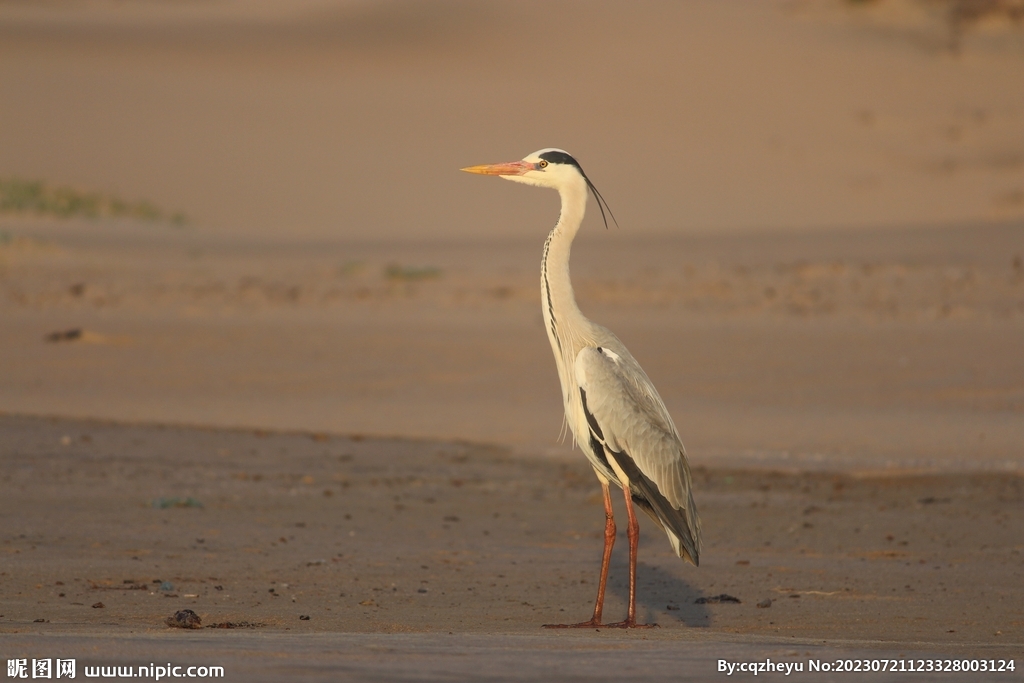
510,168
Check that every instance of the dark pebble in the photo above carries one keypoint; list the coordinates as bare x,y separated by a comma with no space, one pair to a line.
184,618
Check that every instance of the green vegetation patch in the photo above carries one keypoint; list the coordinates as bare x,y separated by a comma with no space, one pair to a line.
399,273
20,196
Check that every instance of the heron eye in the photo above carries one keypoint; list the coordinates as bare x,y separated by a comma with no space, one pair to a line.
542,164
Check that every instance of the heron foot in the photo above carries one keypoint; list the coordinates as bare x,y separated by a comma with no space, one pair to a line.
585,624
596,624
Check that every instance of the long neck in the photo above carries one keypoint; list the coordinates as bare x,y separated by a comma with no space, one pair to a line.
562,316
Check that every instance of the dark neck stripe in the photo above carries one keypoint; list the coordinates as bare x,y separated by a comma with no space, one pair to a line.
547,289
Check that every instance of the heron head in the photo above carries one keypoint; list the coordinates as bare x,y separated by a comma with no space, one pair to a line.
550,167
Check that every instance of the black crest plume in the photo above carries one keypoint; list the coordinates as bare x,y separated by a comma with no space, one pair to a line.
564,158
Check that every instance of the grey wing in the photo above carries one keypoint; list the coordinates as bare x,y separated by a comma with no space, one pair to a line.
628,418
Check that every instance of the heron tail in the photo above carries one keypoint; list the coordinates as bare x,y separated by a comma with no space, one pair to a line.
682,526
685,542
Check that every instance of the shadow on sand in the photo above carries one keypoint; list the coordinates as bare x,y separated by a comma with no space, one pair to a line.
661,594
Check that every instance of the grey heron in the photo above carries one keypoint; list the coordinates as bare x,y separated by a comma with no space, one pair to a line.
616,415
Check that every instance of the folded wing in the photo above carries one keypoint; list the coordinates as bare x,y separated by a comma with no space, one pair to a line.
629,420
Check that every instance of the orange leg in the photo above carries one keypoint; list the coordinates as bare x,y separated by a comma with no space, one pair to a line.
633,532
609,542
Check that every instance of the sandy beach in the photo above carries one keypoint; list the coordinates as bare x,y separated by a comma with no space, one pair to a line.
866,350
292,375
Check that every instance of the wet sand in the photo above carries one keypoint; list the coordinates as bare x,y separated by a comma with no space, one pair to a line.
367,536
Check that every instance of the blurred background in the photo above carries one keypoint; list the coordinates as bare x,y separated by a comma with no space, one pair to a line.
348,119
250,213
